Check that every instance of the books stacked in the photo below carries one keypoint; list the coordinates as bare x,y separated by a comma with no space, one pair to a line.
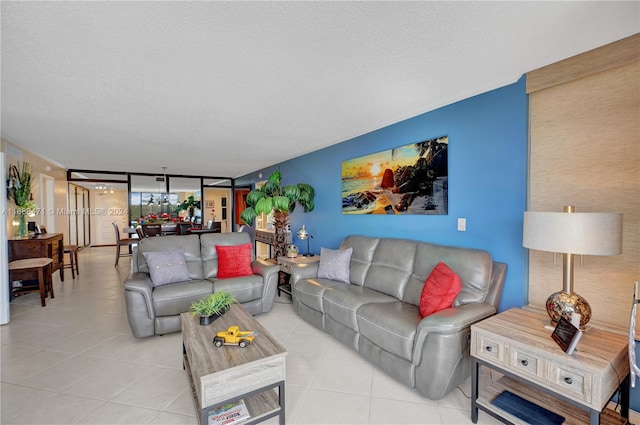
229,413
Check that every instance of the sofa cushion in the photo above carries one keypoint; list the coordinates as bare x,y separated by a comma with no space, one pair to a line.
391,266
167,267
177,298
243,288
440,290
363,249
208,242
474,267
390,326
190,244
334,264
343,303
234,260
310,291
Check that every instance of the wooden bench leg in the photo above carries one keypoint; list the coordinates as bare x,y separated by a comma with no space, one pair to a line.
50,280
42,284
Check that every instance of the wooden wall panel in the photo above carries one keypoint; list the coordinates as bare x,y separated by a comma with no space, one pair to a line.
585,151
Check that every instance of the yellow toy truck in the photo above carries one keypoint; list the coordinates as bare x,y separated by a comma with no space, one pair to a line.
234,336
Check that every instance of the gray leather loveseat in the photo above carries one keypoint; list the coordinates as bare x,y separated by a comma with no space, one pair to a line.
378,314
156,310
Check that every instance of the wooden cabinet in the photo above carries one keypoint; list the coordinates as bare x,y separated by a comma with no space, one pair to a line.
517,344
48,245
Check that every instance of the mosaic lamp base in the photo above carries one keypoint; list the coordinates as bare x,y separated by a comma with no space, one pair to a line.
562,303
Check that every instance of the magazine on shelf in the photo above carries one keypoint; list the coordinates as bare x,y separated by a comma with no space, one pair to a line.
229,413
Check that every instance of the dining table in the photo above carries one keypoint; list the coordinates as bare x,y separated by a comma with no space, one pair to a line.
172,229
201,231
166,229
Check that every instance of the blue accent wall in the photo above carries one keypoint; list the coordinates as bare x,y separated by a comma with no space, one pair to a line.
487,182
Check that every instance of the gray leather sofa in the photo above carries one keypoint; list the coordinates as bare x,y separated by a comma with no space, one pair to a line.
156,310
378,313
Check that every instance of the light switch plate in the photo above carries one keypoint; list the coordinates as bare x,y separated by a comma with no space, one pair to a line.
462,225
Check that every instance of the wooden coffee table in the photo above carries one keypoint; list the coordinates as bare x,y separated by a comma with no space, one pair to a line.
220,375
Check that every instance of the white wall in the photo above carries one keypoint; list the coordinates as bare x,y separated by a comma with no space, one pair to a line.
4,255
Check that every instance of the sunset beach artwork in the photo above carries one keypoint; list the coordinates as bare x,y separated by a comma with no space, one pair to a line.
410,179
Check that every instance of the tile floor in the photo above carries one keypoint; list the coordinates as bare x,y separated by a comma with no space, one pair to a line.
76,362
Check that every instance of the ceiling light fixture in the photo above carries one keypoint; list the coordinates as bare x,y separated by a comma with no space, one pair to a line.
164,200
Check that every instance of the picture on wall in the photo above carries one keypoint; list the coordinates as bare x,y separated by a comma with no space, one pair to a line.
410,179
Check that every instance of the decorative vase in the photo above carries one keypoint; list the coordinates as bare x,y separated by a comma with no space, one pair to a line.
22,229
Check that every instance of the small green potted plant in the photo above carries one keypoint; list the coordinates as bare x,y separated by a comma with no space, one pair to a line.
212,307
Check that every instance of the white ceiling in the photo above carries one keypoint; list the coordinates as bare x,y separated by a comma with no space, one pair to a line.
227,88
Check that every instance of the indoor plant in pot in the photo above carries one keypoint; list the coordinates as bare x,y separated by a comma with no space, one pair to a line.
212,307
19,190
281,200
190,205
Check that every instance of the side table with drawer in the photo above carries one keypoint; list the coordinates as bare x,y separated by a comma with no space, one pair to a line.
516,344
286,263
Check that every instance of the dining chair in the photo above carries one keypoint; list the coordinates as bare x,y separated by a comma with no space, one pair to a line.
152,230
72,250
122,241
181,228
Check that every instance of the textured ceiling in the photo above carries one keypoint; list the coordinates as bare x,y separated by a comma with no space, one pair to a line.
226,88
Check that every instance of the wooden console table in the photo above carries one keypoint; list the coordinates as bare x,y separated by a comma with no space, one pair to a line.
47,245
286,263
577,387
268,237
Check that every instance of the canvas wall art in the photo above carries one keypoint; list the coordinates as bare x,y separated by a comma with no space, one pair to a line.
410,179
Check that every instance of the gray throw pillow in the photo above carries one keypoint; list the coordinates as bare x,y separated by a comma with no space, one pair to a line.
335,264
167,267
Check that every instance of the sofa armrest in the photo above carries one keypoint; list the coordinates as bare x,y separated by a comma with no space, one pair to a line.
141,283
449,321
264,268
269,273
138,296
303,271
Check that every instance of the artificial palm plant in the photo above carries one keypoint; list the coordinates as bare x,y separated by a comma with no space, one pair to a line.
281,200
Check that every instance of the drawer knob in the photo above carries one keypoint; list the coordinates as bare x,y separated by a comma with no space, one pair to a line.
568,380
525,363
488,348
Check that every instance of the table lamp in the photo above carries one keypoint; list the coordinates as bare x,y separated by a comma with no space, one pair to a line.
572,233
302,235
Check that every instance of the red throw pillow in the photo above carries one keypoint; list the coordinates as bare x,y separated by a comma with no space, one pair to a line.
439,290
234,260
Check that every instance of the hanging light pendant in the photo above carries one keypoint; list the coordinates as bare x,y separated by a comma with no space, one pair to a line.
164,199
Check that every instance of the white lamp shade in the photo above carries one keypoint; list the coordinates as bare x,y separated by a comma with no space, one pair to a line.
573,233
